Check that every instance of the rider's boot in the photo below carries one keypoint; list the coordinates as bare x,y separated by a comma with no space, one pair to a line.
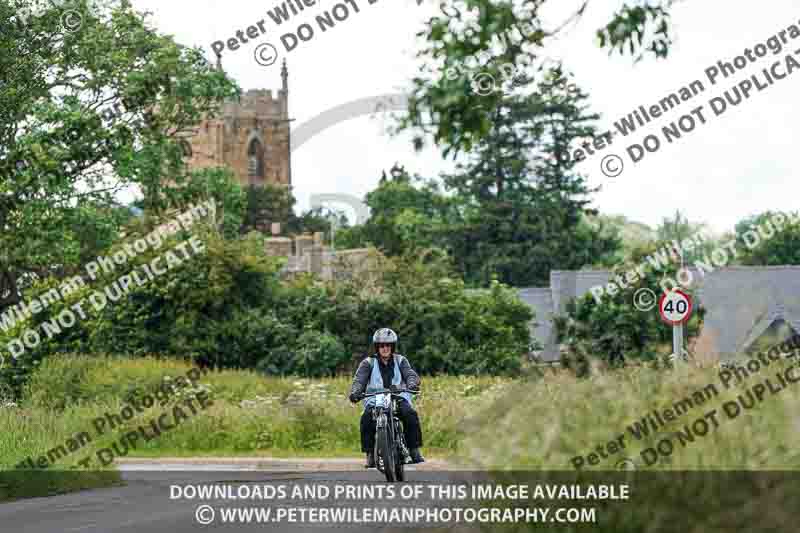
407,456
416,457
370,460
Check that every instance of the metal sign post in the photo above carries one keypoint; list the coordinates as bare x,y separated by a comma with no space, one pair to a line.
675,308
677,340
677,325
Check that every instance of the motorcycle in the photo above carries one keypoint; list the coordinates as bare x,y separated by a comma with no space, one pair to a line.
391,452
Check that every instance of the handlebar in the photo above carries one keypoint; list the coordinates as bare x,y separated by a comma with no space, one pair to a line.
388,391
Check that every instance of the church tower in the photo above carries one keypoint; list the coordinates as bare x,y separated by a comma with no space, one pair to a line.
250,136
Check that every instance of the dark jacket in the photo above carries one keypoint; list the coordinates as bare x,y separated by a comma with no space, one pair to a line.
407,374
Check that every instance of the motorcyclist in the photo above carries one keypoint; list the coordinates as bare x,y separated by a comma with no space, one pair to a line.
387,369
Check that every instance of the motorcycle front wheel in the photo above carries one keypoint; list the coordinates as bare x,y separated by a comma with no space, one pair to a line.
399,470
385,448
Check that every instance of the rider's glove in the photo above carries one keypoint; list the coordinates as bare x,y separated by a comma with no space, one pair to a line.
394,388
354,397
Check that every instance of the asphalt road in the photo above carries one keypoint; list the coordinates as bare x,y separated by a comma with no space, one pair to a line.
149,501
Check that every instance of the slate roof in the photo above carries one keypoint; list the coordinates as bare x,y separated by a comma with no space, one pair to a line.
743,302
541,300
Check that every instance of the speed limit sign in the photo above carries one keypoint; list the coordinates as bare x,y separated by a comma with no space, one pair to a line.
675,307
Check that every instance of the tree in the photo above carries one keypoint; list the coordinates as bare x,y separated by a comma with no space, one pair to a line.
406,213
632,234
318,219
447,328
221,185
524,205
266,204
485,35
275,203
678,229
769,239
81,119
98,227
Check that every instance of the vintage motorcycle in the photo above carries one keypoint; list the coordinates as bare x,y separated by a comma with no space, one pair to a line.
391,452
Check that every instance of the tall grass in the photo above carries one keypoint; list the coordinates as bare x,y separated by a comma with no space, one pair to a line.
251,414
492,423
544,425
741,475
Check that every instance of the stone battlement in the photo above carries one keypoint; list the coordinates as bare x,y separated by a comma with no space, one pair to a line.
250,135
307,254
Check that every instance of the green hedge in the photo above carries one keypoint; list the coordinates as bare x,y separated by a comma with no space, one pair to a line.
227,307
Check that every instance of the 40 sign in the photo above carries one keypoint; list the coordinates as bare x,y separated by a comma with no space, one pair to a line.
675,307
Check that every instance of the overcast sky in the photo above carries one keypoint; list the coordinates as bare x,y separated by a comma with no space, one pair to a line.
735,165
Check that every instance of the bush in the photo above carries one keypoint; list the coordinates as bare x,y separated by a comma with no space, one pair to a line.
318,354
614,330
226,307
443,328
214,308
60,380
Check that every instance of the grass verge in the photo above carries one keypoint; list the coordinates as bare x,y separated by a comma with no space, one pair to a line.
690,473
67,417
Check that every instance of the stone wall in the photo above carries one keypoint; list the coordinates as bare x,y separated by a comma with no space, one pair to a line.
259,120
307,254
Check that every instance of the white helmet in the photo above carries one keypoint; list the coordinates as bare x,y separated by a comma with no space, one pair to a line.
384,335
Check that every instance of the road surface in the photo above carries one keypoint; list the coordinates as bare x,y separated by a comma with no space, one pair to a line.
151,502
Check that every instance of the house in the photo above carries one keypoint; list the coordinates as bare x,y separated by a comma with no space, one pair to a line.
742,304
